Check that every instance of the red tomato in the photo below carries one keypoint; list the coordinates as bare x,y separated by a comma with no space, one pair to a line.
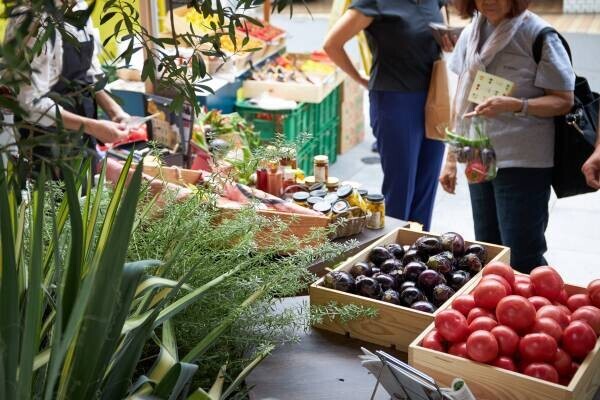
595,297
524,289
501,280
482,346
505,363
578,300
488,293
562,362
555,313
478,312
547,282
500,268
516,312
508,340
464,304
539,301
593,285
434,341
542,371
589,314
459,350
452,325
482,324
563,297
538,347
579,339
564,308
522,278
549,326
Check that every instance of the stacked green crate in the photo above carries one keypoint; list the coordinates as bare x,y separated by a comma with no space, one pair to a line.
320,120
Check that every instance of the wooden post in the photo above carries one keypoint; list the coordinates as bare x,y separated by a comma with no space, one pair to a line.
146,22
267,11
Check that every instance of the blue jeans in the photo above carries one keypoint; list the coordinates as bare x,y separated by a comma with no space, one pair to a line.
512,210
411,163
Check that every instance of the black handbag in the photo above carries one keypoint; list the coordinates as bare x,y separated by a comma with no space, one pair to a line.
575,132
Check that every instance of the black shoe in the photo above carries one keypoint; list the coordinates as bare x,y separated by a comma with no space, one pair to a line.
374,147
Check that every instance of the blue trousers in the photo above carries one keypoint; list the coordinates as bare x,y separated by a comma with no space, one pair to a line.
512,210
411,163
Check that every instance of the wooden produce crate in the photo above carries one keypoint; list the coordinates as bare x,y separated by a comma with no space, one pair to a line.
491,383
394,325
300,92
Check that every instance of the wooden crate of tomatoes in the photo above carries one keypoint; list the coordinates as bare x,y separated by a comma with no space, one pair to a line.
515,336
408,277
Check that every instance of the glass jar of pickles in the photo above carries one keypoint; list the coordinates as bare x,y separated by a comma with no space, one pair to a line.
376,207
351,195
323,207
332,184
321,167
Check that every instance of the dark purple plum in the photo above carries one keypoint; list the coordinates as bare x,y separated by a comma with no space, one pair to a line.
470,262
479,251
424,306
411,255
453,242
361,268
368,287
375,270
396,249
378,255
428,246
441,263
339,280
409,295
413,270
457,279
405,285
390,265
428,279
391,296
386,281
441,294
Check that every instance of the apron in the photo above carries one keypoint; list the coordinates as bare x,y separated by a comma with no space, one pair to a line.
73,88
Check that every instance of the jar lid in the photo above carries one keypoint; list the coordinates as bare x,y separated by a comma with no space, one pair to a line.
340,206
321,159
344,191
315,186
331,198
314,200
318,193
375,198
309,180
300,196
332,181
363,192
322,206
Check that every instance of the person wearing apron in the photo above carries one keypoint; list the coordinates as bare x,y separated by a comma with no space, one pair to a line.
64,91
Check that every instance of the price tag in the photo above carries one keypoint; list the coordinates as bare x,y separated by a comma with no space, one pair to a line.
487,85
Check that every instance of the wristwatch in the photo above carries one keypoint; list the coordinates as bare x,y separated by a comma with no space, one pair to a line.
523,112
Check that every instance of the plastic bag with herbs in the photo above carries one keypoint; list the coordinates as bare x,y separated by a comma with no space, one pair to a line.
473,147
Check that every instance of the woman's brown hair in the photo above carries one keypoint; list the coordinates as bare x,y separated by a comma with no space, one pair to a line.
467,8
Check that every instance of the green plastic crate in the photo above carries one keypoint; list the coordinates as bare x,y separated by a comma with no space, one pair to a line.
327,140
305,157
290,123
327,110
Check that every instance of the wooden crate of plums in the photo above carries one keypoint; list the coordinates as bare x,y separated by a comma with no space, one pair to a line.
407,277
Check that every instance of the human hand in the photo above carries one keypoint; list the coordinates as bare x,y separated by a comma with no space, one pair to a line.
591,169
448,42
121,116
496,105
107,131
448,177
364,82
